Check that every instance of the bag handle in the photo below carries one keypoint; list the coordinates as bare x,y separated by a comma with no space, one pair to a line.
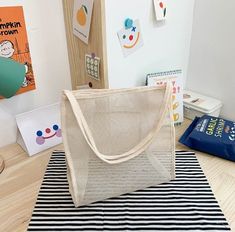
135,151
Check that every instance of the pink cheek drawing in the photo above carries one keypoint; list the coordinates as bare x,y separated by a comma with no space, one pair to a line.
57,130
58,133
40,140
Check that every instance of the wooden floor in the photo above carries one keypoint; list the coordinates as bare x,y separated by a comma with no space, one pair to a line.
22,177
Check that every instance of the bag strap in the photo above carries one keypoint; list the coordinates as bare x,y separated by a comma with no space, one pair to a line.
135,151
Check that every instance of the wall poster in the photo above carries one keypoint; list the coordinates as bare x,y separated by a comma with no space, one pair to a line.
14,44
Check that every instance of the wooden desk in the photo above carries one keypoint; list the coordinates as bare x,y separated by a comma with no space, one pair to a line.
22,177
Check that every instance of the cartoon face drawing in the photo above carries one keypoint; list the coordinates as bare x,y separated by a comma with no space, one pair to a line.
6,49
40,139
130,38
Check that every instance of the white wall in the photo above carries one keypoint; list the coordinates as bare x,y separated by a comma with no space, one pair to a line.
166,45
212,60
47,41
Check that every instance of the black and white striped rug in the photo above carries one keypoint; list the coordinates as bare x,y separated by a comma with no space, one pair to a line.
184,204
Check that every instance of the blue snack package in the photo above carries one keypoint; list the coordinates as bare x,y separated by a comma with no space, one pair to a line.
212,135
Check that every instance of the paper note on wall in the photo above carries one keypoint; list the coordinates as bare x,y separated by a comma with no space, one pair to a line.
131,38
93,66
82,19
160,9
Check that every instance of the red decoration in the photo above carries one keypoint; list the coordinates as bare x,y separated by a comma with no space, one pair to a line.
48,130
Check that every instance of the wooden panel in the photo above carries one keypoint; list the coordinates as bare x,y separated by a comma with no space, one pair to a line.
77,49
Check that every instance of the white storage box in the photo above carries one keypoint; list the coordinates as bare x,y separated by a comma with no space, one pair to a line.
198,105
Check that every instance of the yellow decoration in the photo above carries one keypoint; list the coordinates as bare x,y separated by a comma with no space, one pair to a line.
176,117
175,105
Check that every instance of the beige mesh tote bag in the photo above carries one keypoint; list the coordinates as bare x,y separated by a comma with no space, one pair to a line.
117,141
